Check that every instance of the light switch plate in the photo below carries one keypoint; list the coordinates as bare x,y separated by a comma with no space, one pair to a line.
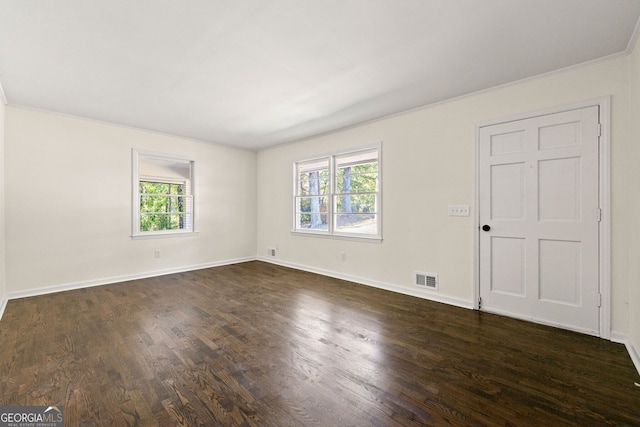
459,210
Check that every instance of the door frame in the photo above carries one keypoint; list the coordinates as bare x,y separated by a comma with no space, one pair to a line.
604,232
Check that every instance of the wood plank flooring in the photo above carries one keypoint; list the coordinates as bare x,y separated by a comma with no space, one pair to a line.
255,344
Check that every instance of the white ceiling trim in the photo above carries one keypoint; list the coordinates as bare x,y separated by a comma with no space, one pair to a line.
634,37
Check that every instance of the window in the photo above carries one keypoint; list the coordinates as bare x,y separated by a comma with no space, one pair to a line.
313,195
339,195
163,196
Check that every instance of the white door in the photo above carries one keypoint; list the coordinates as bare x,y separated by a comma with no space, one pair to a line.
539,219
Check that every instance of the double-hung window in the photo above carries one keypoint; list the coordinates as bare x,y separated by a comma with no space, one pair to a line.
312,199
339,195
163,196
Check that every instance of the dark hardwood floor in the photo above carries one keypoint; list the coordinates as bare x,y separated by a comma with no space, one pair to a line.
258,344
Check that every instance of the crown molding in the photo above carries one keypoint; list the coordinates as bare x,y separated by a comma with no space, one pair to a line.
634,37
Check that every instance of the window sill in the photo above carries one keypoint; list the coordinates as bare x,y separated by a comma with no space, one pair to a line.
353,238
163,235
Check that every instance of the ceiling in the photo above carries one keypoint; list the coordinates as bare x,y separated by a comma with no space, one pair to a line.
256,73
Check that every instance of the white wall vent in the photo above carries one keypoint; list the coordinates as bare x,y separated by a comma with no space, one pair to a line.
426,280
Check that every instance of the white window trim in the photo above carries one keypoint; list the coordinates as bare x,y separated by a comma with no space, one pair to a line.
136,234
330,233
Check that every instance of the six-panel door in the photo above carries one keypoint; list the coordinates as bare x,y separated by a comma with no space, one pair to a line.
538,193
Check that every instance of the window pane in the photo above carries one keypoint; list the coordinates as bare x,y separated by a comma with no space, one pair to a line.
357,223
357,179
153,187
148,187
176,189
155,222
312,221
311,213
162,204
162,221
357,172
362,203
314,185
312,204
151,222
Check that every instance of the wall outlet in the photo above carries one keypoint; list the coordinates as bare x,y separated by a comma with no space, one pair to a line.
157,253
343,256
459,210
271,252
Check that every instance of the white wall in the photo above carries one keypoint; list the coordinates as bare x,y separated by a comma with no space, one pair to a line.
634,197
68,203
428,164
2,212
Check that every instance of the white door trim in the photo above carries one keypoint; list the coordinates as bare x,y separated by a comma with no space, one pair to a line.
605,200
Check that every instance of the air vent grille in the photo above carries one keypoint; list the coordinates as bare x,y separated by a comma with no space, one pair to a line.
426,280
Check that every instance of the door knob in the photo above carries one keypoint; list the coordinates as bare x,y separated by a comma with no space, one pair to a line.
486,227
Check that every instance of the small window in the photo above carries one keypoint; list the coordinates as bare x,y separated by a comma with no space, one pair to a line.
339,195
163,200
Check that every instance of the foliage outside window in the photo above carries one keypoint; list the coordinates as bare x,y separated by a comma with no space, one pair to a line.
163,197
339,195
313,195
164,206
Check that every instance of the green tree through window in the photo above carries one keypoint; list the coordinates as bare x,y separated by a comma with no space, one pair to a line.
162,206
164,196
357,188
339,194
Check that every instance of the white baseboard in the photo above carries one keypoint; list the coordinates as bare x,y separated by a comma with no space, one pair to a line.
373,283
3,305
632,349
115,279
635,355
